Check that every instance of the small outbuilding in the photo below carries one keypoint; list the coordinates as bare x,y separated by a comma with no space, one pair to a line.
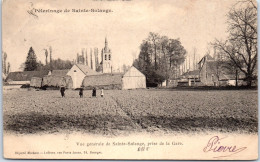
57,81
24,77
133,79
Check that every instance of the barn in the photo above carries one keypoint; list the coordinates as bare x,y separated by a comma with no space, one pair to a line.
105,81
36,82
78,72
133,79
55,78
24,77
57,81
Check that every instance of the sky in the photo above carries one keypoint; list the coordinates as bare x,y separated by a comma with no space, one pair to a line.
195,22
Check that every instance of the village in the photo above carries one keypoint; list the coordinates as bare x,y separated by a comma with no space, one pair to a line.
98,74
88,74
121,74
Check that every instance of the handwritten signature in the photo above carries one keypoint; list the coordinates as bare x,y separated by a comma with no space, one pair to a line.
214,145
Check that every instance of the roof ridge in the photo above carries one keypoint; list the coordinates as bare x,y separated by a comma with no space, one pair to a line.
80,68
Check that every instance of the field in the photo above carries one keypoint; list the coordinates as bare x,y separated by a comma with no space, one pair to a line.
129,111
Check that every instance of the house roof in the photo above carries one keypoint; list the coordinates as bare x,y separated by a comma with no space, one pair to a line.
60,72
25,75
206,57
133,72
102,80
87,70
224,73
194,72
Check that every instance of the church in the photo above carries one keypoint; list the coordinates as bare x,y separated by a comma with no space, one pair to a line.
87,72
100,74
91,67
92,59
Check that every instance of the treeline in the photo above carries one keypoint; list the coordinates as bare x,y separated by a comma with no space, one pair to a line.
160,58
32,64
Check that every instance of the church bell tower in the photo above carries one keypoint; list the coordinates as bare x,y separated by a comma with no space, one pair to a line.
106,59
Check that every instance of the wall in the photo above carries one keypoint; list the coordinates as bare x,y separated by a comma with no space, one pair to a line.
133,82
77,76
133,78
18,82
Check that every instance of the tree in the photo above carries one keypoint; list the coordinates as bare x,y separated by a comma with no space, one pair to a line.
154,38
86,57
4,63
91,61
31,61
46,56
241,45
50,48
159,58
8,68
59,64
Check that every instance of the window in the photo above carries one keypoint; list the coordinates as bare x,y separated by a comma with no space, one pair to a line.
105,57
109,57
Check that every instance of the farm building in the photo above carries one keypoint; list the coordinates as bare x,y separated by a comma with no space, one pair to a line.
21,78
57,81
78,72
55,78
105,81
36,82
59,72
132,79
211,73
190,78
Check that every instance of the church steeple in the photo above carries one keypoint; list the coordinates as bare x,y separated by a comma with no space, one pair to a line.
106,58
106,42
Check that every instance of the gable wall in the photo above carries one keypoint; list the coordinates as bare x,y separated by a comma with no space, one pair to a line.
77,77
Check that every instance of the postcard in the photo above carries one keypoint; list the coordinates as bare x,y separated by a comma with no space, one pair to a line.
130,79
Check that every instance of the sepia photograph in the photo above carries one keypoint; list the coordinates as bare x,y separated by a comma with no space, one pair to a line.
130,79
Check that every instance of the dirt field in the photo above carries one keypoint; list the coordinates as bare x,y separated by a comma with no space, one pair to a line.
125,111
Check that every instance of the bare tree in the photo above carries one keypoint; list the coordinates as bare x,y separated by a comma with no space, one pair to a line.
50,48
46,55
4,63
91,61
241,46
8,68
154,38
86,57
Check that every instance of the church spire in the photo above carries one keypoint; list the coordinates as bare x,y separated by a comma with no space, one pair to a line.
105,42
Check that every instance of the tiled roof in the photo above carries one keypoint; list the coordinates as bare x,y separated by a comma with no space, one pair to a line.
102,80
87,70
60,72
25,75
